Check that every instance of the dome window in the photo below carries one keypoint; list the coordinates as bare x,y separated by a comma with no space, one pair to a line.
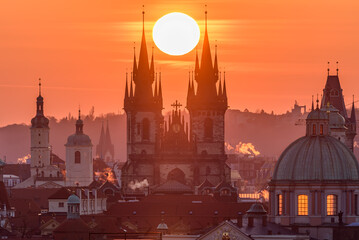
314,129
302,205
332,205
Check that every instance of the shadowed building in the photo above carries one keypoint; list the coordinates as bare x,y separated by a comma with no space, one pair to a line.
333,96
316,179
105,149
160,151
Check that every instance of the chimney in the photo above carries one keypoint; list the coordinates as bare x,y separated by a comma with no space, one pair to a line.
239,219
264,220
250,221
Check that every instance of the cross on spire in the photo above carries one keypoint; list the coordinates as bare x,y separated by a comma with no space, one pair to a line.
176,105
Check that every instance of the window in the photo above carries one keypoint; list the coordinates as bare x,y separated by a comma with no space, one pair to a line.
302,205
61,204
77,157
356,204
314,129
280,204
208,128
145,129
332,205
321,129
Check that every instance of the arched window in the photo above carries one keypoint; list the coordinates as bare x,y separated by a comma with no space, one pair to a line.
332,205
321,129
145,129
280,204
208,128
302,205
77,157
314,129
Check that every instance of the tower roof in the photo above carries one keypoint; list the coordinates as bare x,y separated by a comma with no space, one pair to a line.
333,93
39,121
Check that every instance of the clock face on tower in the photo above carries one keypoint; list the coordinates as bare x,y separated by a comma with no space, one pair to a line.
176,127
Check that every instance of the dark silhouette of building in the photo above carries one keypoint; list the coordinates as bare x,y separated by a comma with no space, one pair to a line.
105,149
160,150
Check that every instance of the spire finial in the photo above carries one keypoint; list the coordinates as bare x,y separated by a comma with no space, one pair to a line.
143,17
205,12
328,68
317,101
79,112
337,68
39,86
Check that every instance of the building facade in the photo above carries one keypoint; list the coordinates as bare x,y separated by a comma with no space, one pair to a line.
159,150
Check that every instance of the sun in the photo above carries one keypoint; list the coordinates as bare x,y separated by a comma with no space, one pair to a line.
176,33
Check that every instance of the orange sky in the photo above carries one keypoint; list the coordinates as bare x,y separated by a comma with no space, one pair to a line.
274,52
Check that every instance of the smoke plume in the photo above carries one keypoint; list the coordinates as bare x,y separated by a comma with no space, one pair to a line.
138,185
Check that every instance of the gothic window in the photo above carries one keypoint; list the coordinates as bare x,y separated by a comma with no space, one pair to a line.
145,129
314,129
321,129
302,205
77,157
61,204
208,128
332,205
280,204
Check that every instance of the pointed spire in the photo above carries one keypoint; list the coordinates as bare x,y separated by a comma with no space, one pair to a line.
126,87
215,63
102,135
196,70
312,102
160,88
352,116
189,90
220,85
328,68
206,59
108,136
192,87
155,93
317,101
143,65
131,88
224,85
152,68
134,68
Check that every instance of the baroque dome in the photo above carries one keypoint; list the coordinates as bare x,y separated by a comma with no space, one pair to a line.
40,121
316,158
78,139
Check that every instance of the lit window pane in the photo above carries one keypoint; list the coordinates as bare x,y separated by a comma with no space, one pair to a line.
280,204
332,205
302,205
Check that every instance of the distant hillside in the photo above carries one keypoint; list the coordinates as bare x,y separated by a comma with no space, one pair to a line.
270,134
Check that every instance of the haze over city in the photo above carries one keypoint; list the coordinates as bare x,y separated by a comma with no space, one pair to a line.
82,50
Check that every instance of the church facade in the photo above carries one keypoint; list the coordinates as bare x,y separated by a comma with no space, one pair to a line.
159,150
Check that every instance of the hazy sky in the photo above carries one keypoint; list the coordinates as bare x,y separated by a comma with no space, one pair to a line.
274,52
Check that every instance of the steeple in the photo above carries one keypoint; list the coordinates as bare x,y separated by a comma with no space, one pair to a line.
143,66
215,63
155,92
160,90
220,86
79,124
206,59
40,102
224,86
102,135
108,136
134,68
152,68
196,69
126,87
131,88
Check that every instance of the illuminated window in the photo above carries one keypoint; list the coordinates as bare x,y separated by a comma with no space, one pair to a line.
321,129
280,204
332,205
314,129
302,205
77,157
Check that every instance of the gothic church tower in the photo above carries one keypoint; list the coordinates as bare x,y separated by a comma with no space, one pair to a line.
143,107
